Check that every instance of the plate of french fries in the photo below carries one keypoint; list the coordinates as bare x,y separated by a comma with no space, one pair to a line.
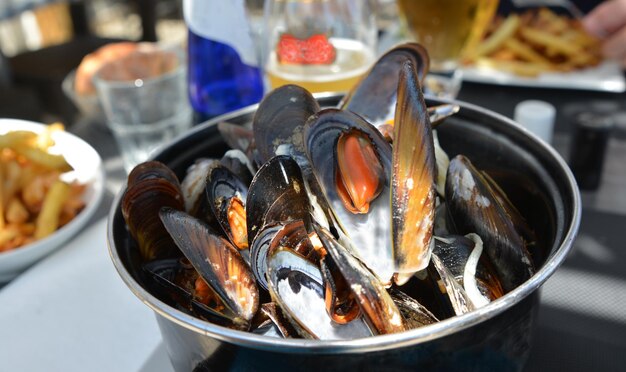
51,183
541,48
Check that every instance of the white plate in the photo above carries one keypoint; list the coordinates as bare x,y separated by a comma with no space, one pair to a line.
606,77
87,169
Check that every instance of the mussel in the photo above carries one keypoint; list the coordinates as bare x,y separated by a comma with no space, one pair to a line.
340,140
275,324
473,208
276,194
374,97
176,281
360,174
279,131
377,306
297,286
462,256
227,195
321,224
237,137
238,163
414,178
291,234
341,302
218,262
279,121
413,313
194,189
151,185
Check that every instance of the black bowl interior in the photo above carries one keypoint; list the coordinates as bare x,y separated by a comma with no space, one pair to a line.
532,178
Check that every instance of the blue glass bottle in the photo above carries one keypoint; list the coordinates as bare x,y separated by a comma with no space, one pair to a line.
219,81
222,64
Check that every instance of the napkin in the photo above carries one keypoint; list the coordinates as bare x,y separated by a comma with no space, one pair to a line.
72,312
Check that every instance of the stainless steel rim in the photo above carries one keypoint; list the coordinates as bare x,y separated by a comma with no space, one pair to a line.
376,343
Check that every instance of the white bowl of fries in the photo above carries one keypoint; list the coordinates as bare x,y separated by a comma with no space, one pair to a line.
51,183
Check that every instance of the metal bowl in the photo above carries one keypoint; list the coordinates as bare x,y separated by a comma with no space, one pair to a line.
495,337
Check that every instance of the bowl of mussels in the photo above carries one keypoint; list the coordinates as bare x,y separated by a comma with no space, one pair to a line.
378,230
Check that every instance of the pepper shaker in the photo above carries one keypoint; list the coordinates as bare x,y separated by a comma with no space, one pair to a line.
588,148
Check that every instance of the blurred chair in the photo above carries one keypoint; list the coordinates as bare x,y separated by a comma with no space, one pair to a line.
15,101
43,70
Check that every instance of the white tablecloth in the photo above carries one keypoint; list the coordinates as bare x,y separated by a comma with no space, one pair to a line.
72,312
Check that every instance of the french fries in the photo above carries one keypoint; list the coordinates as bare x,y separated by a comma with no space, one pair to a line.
48,219
34,201
506,30
535,42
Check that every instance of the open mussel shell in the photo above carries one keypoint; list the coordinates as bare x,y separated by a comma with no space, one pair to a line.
455,252
450,287
237,136
441,223
238,163
296,285
279,121
281,324
437,289
376,305
176,283
443,161
414,314
194,189
289,234
267,329
169,278
374,97
521,226
259,250
413,179
361,162
341,303
151,186
473,208
227,195
276,195
217,261
438,114
279,130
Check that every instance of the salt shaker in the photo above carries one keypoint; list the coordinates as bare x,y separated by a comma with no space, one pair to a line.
588,148
536,116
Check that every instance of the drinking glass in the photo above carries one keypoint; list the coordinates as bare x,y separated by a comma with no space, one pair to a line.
144,96
446,28
321,45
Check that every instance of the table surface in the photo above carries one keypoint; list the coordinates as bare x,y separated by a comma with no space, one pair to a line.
582,317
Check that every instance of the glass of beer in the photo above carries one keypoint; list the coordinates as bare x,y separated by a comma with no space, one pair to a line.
321,45
446,28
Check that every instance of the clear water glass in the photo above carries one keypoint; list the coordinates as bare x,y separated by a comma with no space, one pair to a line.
144,113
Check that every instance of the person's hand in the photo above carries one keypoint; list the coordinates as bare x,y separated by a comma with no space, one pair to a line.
608,22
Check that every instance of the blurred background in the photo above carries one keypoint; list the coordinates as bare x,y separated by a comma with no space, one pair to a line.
41,41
